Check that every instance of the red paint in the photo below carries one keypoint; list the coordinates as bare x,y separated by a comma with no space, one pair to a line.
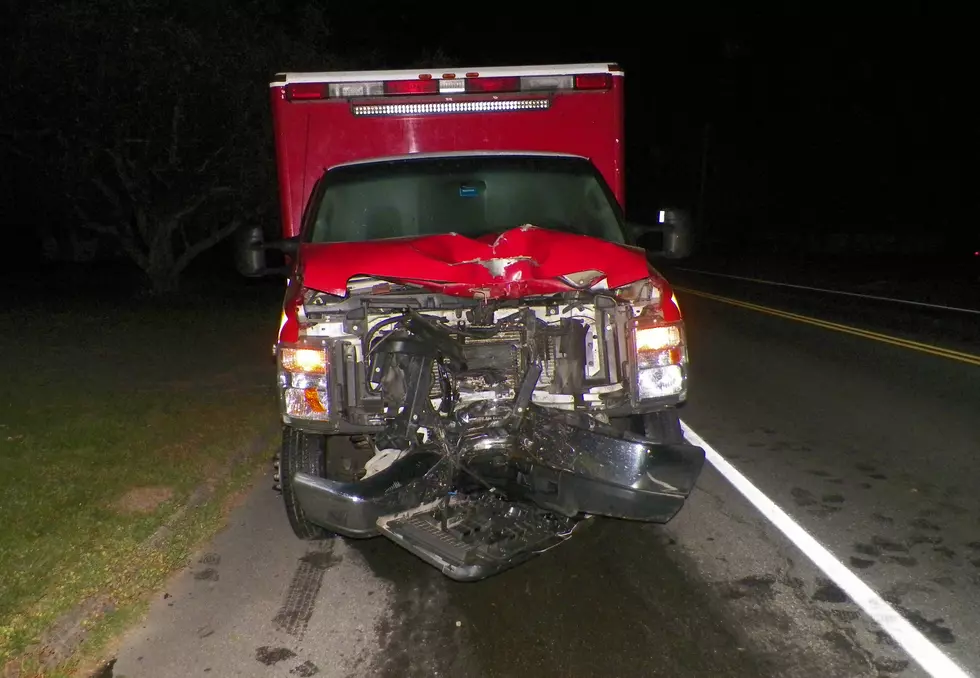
457,265
289,332
670,311
314,135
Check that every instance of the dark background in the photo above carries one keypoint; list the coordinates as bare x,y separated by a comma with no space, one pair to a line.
797,128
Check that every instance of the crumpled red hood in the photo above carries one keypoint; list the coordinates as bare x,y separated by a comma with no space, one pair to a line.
520,262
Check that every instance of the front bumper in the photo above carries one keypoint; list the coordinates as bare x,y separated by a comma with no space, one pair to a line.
353,509
581,466
564,462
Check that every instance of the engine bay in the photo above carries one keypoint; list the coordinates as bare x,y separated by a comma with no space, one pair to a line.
582,342
489,424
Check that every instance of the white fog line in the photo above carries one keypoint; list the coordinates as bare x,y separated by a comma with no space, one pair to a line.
919,648
828,291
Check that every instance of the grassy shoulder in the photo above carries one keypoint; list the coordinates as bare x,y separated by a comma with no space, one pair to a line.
112,419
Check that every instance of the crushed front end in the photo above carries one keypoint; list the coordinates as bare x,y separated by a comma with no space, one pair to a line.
491,424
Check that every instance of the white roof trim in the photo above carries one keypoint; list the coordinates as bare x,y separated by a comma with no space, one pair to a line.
282,79
456,154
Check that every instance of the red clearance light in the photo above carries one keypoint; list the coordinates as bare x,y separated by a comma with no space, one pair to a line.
593,81
450,84
393,87
305,91
493,85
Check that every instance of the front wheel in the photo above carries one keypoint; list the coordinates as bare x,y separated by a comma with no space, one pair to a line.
301,453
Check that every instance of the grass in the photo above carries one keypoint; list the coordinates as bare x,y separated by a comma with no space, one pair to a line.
111,416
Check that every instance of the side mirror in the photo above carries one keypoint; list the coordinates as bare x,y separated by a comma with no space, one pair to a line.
250,259
672,237
251,253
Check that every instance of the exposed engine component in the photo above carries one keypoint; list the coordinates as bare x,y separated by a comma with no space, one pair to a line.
477,476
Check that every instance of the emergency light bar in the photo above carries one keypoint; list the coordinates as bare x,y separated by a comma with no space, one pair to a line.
452,107
449,83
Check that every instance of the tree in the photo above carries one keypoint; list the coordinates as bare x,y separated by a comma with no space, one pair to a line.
152,121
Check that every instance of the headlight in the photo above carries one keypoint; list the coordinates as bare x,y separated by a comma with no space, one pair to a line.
658,338
303,377
312,360
660,382
661,359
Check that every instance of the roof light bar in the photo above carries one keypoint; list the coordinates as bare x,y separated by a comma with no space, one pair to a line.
449,84
499,105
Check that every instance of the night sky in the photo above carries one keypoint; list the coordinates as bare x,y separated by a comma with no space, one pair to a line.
798,120
809,120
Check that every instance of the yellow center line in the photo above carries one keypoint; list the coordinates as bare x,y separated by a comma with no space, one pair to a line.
967,358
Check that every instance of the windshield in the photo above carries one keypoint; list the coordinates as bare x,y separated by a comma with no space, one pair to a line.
469,195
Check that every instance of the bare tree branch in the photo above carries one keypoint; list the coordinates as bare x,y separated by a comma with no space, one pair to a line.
184,240
208,160
196,204
122,171
110,194
173,154
101,229
149,231
120,129
122,235
160,175
207,243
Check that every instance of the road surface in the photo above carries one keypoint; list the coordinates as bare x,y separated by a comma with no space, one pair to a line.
870,446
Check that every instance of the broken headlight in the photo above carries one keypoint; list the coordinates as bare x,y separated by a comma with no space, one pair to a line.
661,347
303,378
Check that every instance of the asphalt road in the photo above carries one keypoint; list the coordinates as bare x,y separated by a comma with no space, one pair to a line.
871,447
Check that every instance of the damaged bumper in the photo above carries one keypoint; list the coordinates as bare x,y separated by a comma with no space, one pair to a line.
532,479
354,509
484,482
584,466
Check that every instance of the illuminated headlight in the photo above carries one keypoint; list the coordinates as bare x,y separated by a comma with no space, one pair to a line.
660,345
658,338
661,358
303,378
312,360
660,382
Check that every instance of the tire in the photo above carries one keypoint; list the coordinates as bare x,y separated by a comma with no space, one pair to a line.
301,453
660,427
